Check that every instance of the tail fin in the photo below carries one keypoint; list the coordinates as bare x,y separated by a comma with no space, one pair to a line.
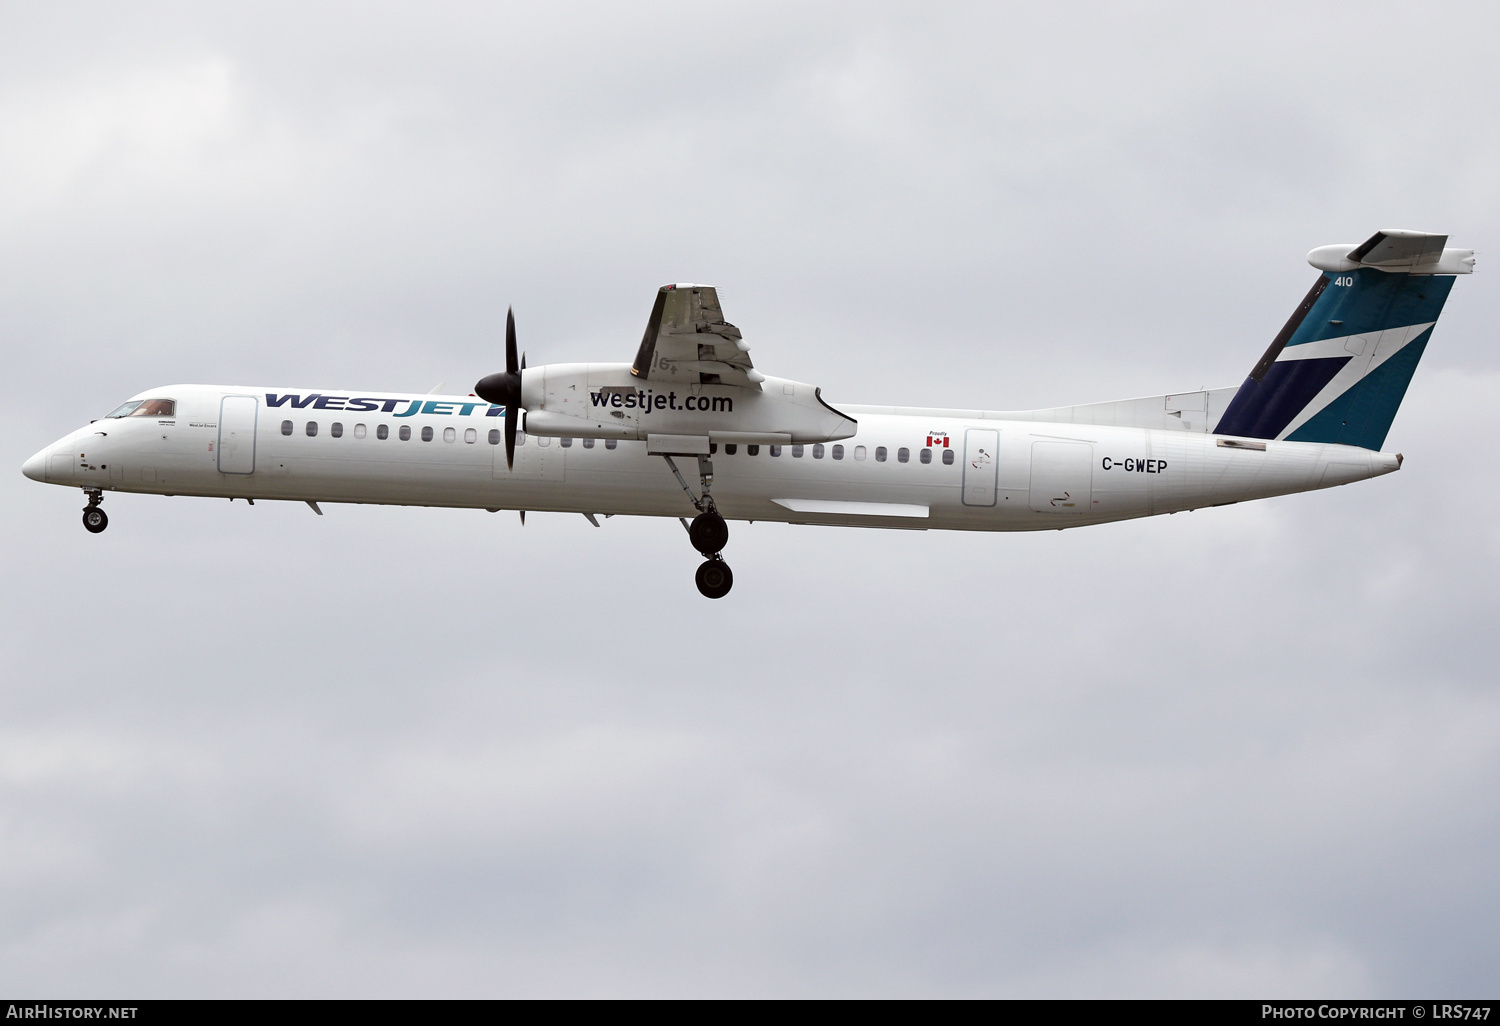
1339,368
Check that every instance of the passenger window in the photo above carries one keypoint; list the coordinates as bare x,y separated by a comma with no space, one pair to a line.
286,427
543,440
859,452
817,450
838,452
359,431
494,436
336,429
610,443
947,457
566,443
312,428
797,452
427,434
752,450
903,455
520,439
383,431
925,455
880,454
775,450
405,432
588,443
450,435
731,449
470,436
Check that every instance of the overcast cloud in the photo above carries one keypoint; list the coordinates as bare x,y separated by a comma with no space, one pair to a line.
247,751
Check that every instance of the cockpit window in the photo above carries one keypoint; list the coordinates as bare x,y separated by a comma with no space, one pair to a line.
147,408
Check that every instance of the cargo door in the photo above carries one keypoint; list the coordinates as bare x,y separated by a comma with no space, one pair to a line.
1062,477
237,419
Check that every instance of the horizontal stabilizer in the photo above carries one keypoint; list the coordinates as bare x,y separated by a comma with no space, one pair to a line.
1395,250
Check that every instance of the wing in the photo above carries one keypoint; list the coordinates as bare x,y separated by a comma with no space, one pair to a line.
687,341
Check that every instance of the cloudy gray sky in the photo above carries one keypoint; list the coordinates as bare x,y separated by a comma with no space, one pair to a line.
404,752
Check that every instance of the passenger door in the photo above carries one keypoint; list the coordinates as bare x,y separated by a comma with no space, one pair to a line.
981,466
237,419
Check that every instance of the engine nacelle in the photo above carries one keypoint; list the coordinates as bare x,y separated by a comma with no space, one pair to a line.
604,400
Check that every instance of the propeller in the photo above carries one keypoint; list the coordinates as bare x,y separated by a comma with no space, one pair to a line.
505,389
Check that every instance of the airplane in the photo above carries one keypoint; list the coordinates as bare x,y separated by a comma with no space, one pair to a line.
624,439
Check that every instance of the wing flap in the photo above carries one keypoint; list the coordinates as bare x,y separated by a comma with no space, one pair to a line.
688,341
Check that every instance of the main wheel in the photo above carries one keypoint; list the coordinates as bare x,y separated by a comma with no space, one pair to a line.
708,533
714,578
94,520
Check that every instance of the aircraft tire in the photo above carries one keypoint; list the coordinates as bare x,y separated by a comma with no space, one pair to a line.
714,578
94,520
708,533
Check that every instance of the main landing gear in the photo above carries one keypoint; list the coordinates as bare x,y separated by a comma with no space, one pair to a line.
708,532
94,519
714,578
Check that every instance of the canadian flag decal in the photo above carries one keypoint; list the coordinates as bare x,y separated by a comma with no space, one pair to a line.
938,440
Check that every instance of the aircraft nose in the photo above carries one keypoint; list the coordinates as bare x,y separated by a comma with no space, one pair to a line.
36,467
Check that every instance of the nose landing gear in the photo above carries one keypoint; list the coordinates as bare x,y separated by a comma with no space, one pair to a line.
708,533
94,519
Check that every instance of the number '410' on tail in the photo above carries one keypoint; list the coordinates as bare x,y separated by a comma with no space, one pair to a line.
1339,368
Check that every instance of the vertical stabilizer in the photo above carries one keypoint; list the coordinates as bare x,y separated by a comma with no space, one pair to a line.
1339,368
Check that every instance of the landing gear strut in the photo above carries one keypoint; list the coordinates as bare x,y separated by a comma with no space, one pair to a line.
708,532
94,519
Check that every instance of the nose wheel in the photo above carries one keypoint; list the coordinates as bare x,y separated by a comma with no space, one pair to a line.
94,519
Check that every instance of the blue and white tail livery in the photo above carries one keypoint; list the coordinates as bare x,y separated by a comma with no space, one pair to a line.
1340,367
692,428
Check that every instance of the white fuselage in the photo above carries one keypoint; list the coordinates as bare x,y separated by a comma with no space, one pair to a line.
998,475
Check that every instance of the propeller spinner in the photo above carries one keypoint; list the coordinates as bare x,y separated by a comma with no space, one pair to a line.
504,389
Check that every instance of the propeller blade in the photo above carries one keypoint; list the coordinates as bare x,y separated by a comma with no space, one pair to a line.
504,388
510,342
